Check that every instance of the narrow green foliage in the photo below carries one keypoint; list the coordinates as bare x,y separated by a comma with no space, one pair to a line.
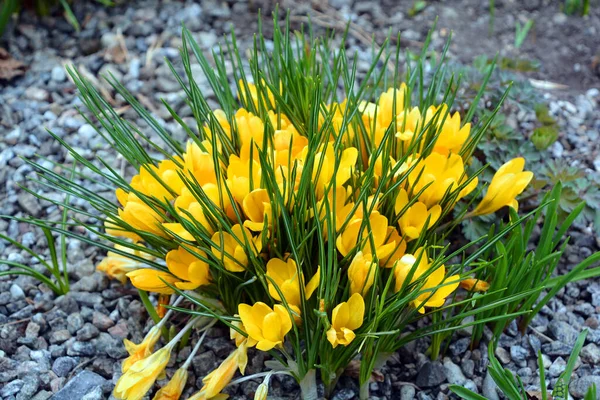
521,32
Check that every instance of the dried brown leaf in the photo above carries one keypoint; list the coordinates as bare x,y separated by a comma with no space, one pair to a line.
9,67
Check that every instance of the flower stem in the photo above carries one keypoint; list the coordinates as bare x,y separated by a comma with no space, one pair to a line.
308,385
364,391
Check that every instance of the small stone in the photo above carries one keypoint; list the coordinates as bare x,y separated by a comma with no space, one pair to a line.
557,367
32,331
503,355
407,392
563,332
42,395
454,375
29,203
31,383
87,332
95,394
591,354
11,388
36,94
431,374
86,132
468,367
344,394
119,331
63,365
472,386
488,388
16,292
83,383
60,336
74,322
460,346
556,349
81,349
103,322
519,355
579,388
58,74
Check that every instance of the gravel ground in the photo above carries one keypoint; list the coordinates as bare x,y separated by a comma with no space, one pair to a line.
69,347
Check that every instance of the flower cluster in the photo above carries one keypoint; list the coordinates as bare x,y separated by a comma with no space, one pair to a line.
296,231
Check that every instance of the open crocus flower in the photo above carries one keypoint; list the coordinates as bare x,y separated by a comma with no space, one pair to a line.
152,280
173,389
257,207
233,248
361,273
508,182
474,285
142,350
267,326
357,231
285,275
414,217
140,377
193,271
400,248
415,266
117,266
346,317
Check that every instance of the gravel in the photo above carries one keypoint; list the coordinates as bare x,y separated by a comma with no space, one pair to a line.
70,347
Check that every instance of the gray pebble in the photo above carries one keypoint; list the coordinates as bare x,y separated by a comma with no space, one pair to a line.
454,375
63,365
407,392
58,74
431,374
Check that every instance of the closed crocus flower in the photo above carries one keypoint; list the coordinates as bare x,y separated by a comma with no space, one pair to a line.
326,160
257,207
346,317
162,182
285,275
139,216
399,248
348,239
117,266
216,380
451,136
152,280
361,273
508,182
474,285
412,266
414,217
250,128
232,249
140,377
267,326
243,175
199,162
193,271
173,389
142,350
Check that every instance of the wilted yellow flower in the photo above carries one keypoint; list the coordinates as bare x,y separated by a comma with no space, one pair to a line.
346,317
361,273
216,381
140,377
261,392
508,182
233,248
142,350
474,285
451,136
152,280
407,266
285,275
117,266
257,207
173,389
268,326
348,239
438,174
193,271
414,217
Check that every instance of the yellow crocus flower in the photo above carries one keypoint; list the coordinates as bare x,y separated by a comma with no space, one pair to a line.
186,266
346,317
361,273
285,276
152,280
173,389
243,176
184,204
257,207
199,162
140,377
451,136
254,95
233,248
117,266
438,174
142,350
261,392
508,182
348,239
399,248
216,380
474,285
267,326
407,266
162,188
250,128
413,218
326,159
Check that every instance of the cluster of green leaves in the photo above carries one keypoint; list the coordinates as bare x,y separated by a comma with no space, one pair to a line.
42,8
512,386
572,7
